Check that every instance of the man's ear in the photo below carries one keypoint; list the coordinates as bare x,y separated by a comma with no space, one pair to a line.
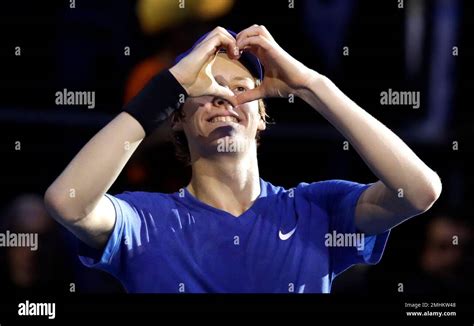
176,125
177,120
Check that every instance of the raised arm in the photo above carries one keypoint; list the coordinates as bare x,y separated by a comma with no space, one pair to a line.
406,185
76,198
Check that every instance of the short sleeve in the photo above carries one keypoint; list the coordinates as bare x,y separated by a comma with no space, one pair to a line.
126,235
347,245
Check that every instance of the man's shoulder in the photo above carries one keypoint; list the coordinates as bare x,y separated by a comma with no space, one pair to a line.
323,190
328,184
142,199
303,190
309,186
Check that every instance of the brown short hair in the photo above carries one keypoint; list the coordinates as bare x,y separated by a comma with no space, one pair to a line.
180,141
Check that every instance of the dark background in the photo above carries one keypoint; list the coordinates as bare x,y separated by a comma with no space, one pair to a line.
83,49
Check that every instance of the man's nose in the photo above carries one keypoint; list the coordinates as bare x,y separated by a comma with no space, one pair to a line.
219,101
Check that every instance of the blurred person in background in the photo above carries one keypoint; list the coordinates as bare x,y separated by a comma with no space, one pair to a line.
445,263
42,269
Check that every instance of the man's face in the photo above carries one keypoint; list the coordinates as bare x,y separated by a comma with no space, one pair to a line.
211,124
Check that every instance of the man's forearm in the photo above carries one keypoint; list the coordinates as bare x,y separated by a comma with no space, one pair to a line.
387,156
94,169
78,190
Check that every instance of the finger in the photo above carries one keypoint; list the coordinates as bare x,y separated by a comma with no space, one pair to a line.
232,51
218,41
203,54
253,41
266,33
253,30
218,30
250,95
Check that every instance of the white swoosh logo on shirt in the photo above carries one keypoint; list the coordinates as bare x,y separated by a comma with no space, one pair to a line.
286,236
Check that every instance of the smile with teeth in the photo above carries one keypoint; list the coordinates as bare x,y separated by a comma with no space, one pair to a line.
223,119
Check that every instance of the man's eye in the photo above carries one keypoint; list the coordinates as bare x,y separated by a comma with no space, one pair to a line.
240,89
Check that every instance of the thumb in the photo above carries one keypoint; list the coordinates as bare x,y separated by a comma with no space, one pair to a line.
250,95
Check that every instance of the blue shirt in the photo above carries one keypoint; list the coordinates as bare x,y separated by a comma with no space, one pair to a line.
290,240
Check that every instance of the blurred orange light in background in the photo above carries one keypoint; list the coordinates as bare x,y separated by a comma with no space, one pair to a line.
156,15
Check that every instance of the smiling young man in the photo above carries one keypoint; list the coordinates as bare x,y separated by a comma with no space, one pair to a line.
229,230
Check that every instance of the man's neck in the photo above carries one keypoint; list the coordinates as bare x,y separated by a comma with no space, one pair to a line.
227,183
